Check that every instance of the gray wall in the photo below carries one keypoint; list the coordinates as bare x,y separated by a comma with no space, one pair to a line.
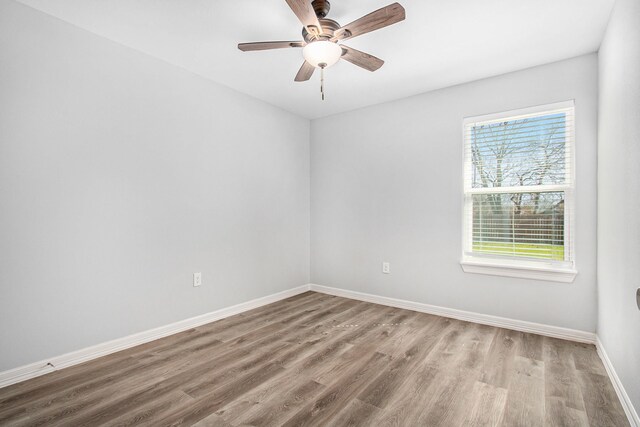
386,185
120,176
619,194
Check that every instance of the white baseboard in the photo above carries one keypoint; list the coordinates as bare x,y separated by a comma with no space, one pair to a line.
33,370
625,400
485,319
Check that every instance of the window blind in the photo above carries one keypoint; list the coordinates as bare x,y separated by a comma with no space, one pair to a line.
518,185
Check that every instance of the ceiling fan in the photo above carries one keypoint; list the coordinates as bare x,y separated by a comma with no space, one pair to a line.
321,36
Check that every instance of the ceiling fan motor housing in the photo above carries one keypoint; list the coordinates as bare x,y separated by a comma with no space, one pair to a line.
321,8
328,28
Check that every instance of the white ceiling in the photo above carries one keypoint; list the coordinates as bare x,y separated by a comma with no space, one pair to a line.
441,43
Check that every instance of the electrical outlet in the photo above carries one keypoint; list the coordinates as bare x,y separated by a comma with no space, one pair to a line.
197,279
386,268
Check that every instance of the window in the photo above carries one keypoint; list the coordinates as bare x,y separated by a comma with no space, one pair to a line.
518,190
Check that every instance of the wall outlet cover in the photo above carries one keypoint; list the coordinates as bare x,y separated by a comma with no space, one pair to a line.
386,268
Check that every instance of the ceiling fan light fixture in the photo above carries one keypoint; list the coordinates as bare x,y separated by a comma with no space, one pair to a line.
321,36
322,53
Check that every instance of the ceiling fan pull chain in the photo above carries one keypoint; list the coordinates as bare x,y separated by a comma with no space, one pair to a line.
322,82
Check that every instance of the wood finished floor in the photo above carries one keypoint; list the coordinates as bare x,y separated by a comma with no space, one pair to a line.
316,359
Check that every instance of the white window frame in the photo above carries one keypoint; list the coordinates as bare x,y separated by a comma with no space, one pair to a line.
509,266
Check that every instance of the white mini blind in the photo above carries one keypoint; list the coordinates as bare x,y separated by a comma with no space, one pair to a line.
518,185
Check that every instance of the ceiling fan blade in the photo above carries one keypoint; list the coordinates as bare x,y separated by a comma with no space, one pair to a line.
305,72
305,13
374,21
361,59
247,47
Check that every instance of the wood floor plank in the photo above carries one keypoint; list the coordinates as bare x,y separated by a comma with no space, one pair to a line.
558,414
356,413
403,334
150,413
380,391
243,324
499,361
561,380
331,401
526,394
339,342
585,358
334,344
288,326
531,346
406,406
488,406
219,397
272,406
435,388
213,420
449,400
600,400
316,359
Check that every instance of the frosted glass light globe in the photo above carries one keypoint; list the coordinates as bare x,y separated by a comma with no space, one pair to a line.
322,53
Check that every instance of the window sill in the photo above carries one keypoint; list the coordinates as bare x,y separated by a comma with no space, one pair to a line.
520,270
